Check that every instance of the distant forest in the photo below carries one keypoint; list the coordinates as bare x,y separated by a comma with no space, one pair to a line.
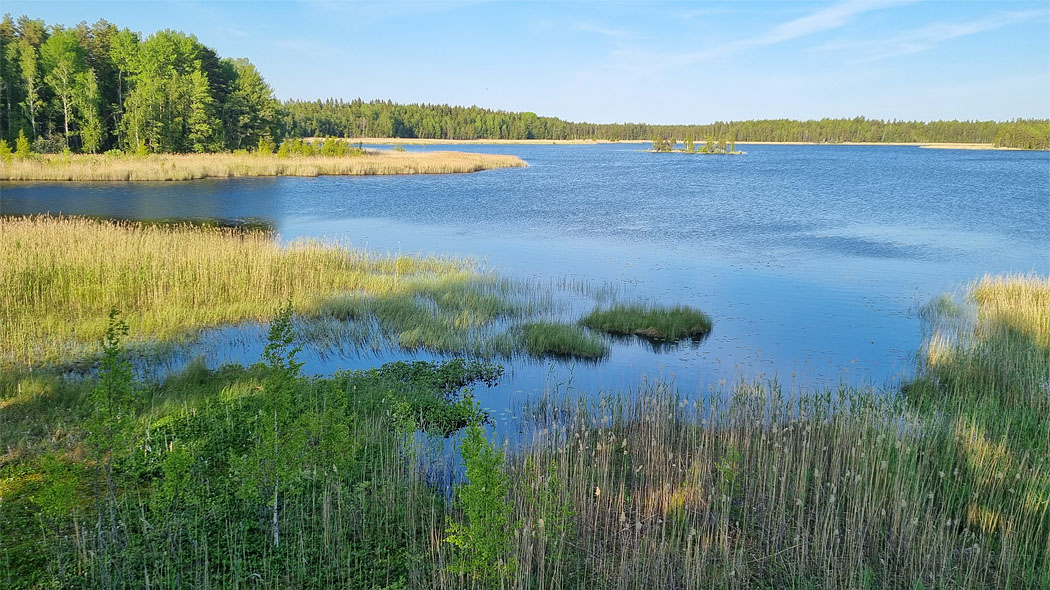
387,119
94,88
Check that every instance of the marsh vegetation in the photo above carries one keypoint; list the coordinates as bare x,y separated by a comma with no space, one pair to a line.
225,476
61,276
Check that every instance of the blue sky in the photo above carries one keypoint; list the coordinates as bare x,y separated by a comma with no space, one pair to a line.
657,62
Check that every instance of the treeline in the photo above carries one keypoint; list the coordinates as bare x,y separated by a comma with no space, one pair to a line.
388,119
93,88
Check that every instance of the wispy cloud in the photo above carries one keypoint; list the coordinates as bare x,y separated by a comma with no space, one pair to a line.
928,37
826,19
833,17
603,31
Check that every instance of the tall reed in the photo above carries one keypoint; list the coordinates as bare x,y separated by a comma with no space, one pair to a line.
60,276
86,167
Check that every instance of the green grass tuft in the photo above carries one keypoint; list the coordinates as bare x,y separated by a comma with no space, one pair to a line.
668,324
565,340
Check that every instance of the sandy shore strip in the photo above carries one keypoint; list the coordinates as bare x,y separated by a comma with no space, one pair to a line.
424,141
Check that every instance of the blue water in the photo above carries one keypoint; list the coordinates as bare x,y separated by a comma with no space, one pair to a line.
812,260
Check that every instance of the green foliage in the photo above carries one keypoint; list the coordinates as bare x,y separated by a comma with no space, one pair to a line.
483,540
379,118
1026,134
87,106
425,396
22,145
115,397
5,151
102,87
272,465
145,92
294,147
265,146
63,59
662,145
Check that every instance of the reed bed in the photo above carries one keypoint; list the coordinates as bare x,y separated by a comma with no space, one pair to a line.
59,277
159,167
947,486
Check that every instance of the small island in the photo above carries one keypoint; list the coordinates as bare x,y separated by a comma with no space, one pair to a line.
726,147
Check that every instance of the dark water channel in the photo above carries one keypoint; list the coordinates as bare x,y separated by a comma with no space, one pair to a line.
812,260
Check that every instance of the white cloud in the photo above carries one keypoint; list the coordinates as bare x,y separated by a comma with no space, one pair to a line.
603,31
826,19
928,37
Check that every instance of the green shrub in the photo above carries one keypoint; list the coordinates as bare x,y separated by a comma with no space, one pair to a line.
483,541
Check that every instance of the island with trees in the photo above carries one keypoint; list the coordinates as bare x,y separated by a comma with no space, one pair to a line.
725,147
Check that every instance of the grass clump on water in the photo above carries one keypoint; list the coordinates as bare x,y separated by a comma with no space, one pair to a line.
543,339
666,324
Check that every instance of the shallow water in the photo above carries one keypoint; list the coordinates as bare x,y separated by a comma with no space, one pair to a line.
811,260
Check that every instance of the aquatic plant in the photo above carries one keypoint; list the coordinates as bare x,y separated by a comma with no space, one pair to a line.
649,321
553,339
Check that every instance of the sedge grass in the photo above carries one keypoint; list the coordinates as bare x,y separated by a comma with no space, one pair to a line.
86,167
652,322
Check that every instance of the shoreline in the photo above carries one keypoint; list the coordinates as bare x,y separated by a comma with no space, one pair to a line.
176,167
426,142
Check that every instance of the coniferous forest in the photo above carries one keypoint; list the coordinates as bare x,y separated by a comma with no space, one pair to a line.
93,88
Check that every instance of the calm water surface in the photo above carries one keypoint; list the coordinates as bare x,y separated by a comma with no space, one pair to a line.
812,260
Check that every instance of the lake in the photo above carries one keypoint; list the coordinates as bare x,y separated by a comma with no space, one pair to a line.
811,260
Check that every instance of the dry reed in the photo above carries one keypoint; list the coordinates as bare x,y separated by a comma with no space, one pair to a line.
83,167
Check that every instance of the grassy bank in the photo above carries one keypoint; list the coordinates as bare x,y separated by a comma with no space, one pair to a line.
83,167
59,277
